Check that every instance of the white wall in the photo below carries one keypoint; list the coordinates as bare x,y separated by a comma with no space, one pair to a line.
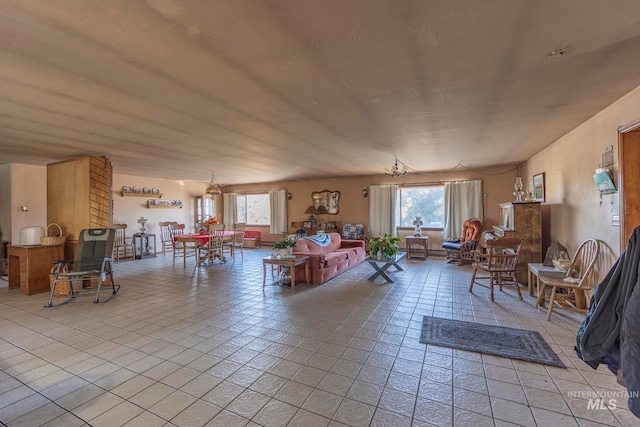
5,202
573,205
28,188
127,210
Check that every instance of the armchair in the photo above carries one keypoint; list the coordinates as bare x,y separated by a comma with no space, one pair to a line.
461,251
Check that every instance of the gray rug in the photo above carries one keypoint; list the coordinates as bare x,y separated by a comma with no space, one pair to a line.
495,340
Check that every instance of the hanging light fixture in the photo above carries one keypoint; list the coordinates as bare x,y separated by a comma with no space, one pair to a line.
213,190
395,170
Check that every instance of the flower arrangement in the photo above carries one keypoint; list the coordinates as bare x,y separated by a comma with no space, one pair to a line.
284,243
387,245
212,220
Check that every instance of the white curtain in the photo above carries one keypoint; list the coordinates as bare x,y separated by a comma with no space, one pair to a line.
278,209
230,214
462,200
382,209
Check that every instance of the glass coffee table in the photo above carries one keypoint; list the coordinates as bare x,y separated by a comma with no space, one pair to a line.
382,265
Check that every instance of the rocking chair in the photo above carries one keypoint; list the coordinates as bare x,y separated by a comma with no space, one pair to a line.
90,269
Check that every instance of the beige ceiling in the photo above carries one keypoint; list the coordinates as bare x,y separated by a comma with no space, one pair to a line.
265,90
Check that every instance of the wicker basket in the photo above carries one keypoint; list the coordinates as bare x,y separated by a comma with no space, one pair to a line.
53,240
64,286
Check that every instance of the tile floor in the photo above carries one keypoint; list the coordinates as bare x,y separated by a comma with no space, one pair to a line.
206,346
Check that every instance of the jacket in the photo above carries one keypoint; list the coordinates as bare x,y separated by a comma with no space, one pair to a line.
610,331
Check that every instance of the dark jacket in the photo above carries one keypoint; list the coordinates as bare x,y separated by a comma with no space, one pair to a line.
610,331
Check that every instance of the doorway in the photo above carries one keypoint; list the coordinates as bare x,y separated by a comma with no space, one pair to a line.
629,180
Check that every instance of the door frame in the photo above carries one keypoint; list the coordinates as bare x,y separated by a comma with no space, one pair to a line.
628,179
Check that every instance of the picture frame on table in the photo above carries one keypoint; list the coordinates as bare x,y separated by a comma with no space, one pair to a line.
538,187
306,225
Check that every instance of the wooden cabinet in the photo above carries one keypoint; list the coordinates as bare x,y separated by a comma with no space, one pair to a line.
29,267
522,220
79,196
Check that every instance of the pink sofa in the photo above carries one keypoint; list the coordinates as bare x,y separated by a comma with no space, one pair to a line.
326,262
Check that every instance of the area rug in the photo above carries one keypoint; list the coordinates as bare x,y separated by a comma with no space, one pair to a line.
495,340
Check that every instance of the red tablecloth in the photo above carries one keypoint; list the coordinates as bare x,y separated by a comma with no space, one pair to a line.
201,239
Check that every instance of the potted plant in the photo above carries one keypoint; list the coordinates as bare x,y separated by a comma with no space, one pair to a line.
385,246
284,246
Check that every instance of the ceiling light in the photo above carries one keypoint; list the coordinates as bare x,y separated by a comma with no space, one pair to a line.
213,189
396,170
556,52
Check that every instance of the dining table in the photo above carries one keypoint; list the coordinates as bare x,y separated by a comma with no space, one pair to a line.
200,239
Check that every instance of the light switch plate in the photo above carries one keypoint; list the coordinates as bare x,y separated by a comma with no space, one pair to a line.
615,220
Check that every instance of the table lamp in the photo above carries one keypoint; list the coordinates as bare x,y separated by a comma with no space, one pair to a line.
417,222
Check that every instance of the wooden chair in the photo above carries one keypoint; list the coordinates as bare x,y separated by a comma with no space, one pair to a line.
577,283
214,248
462,250
237,240
181,247
122,244
499,262
165,235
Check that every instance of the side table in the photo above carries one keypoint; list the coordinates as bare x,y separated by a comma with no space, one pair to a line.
144,245
417,247
29,267
286,262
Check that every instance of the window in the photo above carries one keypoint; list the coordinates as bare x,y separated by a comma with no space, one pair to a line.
425,202
253,209
204,208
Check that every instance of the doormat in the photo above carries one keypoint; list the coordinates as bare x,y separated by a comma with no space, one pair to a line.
495,340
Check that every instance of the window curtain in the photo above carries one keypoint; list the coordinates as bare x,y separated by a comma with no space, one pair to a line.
382,209
462,201
230,214
278,210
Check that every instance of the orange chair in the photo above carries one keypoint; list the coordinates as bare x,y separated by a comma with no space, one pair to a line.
461,251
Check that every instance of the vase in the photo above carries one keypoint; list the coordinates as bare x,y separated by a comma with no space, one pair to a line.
285,252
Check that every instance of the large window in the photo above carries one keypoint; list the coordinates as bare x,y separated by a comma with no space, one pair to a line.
205,208
425,202
253,209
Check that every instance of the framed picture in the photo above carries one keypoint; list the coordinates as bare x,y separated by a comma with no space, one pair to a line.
538,187
306,225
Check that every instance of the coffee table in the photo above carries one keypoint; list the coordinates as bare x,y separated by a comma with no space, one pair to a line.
286,262
382,265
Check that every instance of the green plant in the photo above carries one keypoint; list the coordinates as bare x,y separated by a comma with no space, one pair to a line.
387,245
284,243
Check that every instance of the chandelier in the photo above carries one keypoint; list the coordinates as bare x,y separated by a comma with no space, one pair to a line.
396,170
213,190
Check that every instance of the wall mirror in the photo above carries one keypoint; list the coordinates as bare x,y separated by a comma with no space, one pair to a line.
328,199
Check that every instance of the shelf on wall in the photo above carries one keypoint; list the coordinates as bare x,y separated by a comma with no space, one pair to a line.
163,207
147,195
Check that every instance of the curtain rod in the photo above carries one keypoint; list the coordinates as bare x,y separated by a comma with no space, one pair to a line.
413,184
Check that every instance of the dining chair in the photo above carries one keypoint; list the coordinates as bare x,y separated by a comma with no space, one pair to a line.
122,244
499,263
214,248
237,240
181,247
577,283
165,235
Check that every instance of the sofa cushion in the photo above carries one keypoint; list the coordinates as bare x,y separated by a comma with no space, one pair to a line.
334,258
